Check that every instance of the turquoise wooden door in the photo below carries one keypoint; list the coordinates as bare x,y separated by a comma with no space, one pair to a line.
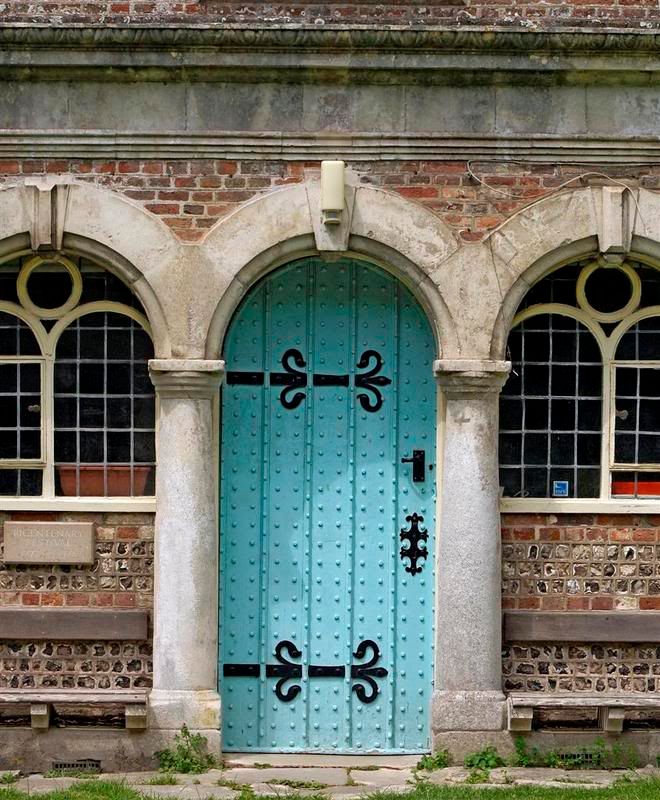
327,538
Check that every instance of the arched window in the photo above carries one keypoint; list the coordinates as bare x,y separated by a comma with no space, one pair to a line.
77,408
580,414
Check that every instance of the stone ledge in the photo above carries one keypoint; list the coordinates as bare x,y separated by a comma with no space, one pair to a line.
73,624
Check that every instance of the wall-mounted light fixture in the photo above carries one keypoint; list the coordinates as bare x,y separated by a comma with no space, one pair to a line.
332,191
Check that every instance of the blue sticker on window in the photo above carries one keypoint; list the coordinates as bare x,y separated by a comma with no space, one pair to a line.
560,488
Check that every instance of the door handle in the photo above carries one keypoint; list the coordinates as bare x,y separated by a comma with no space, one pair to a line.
418,461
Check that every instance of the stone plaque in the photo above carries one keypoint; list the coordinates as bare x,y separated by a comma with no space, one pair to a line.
49,543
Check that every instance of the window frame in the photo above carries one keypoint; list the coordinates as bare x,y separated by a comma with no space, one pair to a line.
47,341
608,346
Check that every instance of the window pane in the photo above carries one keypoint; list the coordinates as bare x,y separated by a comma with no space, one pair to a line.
20,410
21,482
637,415
641,342
636,484
16,338
550,420
104,408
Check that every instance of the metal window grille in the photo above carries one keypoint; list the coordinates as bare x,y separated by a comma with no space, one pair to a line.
104,407
112,418
550,410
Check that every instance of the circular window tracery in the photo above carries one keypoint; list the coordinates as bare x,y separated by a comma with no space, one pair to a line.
553,454
601,284
57,267
78,405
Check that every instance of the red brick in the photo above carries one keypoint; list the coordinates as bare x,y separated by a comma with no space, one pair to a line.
602,603
52,599
553,602
152,167
649,603
417,192
577,604
523,534
77,599
529,603
621,535
10,167
30,599
173,195
58,166
644,535
127,532
162,208
128,166
124,600
226,167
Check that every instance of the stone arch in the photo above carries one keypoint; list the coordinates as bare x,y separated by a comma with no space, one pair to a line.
396,234
103,226
562,228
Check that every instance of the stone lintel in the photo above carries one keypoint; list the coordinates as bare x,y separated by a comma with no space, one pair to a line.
186,378
471,376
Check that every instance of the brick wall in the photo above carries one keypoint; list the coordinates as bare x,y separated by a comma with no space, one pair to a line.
580,562
120,578
192,195
548,14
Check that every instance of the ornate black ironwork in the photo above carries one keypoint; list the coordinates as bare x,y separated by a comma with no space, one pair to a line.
413,551
241,670
291,378
367,672
285,671
370,380
320,671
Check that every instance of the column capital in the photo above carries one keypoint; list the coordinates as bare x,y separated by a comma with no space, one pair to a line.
471,376
186,377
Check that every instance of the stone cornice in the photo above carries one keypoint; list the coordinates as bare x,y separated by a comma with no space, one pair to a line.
331,38
306,146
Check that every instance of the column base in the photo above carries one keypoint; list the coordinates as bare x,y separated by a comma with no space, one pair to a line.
170,709
468,711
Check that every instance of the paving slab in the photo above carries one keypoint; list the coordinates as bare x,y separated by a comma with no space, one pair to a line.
330,776
516,774
383,777
320,760
601,777
37,783
446,775
169,791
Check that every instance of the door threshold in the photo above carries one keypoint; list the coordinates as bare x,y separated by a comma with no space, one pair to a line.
358,761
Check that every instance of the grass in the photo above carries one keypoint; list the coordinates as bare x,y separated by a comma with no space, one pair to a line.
634,790
165,779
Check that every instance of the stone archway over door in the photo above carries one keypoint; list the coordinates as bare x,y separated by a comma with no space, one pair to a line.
326,626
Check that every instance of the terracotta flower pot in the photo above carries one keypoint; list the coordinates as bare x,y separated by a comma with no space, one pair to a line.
92,481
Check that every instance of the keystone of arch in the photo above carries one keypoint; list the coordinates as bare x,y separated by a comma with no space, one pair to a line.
272,229
103,226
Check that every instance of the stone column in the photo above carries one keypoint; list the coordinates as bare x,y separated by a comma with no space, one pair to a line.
186,562
468,690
